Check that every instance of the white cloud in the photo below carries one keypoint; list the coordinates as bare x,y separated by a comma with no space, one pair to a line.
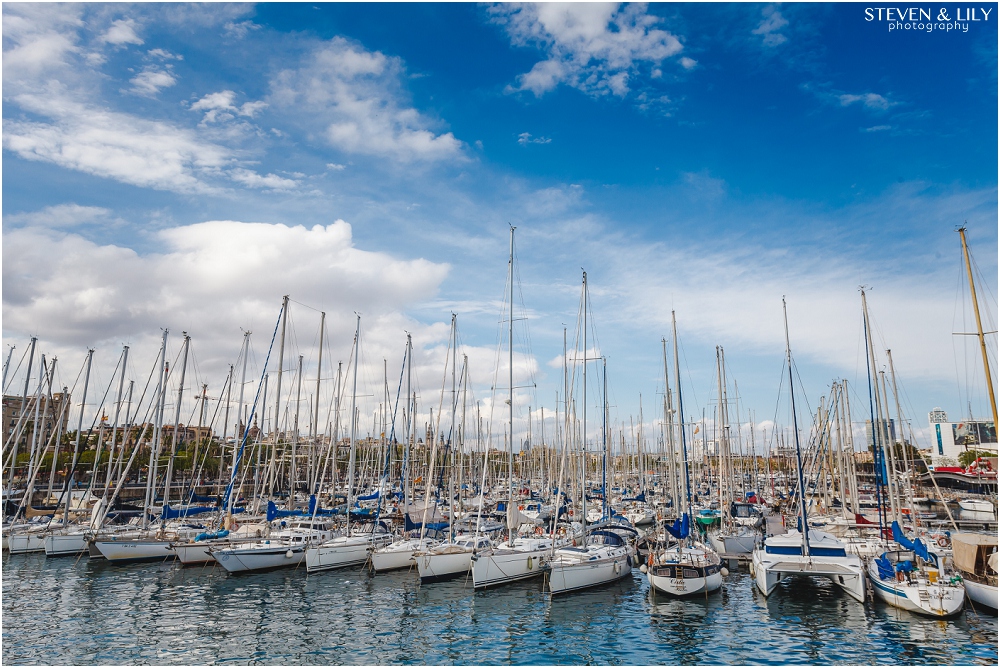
773,22
525,138
868,100
254,180
595,47
121,32
333,166
355,95
163,54
221,106
239,29
688,63
210,279
151,80
878,128
60,215
38,41
114,145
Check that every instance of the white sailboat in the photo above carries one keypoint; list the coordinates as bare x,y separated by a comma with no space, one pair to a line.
693,567
279,549
812,553
975,557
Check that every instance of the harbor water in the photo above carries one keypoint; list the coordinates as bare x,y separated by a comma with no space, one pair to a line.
80,611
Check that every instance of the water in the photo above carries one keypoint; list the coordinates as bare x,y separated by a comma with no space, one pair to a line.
76,611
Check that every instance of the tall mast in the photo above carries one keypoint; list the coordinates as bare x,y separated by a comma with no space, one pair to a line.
24,411
68,494
451,436
241,436
153,454
409,422
315,421
979,327
874,410
584,444
354,403
680,423
510,390
293,465
177,421
795,430
277,389
607,444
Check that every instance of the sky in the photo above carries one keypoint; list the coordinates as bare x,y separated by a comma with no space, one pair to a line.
183,167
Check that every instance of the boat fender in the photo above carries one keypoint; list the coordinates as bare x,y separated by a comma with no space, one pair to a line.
628,560
574,542
643,569
724,571
618,567
531,563
942,542
288,555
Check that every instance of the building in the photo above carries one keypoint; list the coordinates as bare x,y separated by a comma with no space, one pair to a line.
951,439
49,410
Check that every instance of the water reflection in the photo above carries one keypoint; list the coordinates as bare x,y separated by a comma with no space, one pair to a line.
78,611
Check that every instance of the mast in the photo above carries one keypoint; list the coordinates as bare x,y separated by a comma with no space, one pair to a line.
277,390
510,390
584,442
151,471
313,489
242,434
607,444
795,430
177,420
293,465
680,424
24,411
979,326
354,403
68,494
409,422
451,436
874,410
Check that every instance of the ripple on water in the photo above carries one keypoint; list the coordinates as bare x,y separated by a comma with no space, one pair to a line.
76,611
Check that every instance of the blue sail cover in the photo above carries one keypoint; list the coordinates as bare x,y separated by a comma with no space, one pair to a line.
186,511
885,570
273,513
211,535
681,527
410,525
641,496
198,498
917,546
370,497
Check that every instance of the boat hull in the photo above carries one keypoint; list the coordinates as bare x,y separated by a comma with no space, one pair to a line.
59,545
981,594
23,543
352,552
193,553
663,580
932,600
503,566
439,567
122,551
568,577
768,572
245,559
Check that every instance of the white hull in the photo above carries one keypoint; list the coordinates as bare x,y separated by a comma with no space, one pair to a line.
23,543
399,554
259,557
194,553
503,566
781,557
65,544
443,566
933,600
338,553
685,586
566,576
134,550
981,594
977,506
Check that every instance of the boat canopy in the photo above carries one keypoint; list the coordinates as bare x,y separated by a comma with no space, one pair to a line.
972,552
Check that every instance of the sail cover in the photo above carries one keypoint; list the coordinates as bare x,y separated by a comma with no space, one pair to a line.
917,546
681,527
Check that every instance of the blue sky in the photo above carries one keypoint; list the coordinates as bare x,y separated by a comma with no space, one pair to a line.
708,158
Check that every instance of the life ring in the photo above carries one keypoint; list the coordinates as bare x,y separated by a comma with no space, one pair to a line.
520,507
571,513
942,542
539,531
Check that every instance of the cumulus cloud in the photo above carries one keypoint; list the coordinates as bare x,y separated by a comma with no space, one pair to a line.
356,96
221,106
210,279
595,47
121,32
151,80
60,215
768,28
688,63
255,180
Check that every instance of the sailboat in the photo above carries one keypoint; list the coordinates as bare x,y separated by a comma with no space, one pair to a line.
975,557
691,567
607,547
809,552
